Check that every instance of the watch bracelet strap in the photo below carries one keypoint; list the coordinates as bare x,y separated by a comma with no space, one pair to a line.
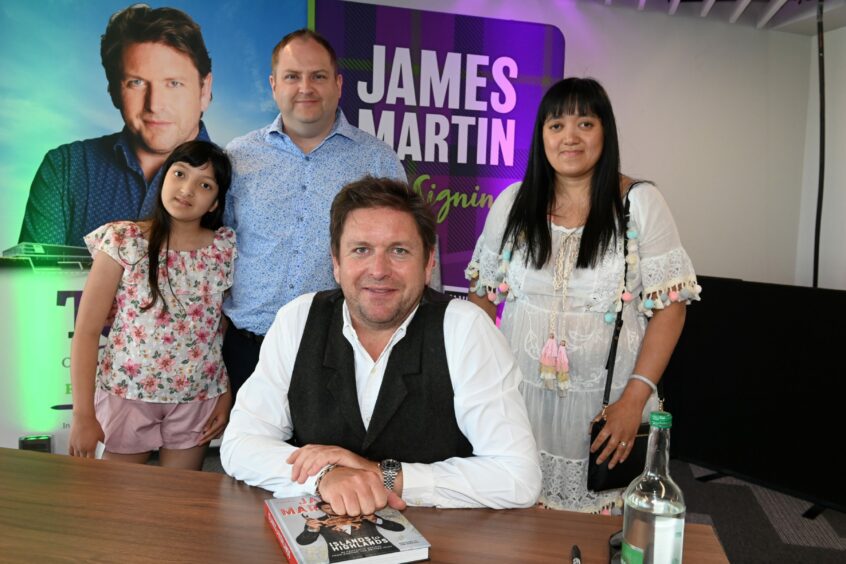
389,479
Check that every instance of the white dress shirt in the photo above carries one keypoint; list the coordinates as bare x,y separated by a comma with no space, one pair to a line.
504,470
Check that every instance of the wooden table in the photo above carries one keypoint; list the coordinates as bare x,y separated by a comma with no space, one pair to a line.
61,509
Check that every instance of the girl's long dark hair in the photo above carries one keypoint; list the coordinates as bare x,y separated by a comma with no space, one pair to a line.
196,154
528,217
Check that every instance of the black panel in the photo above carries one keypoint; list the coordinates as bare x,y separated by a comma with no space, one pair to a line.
756,386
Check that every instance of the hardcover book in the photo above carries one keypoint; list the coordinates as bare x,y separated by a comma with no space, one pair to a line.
310,533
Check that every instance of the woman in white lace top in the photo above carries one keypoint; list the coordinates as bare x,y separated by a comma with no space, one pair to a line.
554,250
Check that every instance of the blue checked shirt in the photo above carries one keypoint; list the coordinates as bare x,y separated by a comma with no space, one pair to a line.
85,184
279,204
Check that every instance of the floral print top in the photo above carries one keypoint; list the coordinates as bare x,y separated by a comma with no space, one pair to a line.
158,355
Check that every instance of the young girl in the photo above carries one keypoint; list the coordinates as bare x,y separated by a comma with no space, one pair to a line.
160,382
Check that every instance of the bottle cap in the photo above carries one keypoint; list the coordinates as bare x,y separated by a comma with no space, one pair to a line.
660,419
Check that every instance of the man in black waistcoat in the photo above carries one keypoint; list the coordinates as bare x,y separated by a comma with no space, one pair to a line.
384,392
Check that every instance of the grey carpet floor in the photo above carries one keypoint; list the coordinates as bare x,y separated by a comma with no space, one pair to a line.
759,525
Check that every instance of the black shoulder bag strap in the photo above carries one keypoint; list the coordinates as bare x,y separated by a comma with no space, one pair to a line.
618,323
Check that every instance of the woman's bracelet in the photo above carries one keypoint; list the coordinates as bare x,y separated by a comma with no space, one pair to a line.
646,381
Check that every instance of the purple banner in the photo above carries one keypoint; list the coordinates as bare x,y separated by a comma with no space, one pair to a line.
454,96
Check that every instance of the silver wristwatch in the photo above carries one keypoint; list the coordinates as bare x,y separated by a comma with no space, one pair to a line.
390,470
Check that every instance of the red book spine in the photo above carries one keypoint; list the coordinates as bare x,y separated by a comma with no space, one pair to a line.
280,536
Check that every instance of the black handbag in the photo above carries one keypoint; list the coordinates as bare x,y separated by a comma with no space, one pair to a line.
600,477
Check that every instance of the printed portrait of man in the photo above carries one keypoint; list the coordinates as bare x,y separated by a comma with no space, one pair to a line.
345,535
160,80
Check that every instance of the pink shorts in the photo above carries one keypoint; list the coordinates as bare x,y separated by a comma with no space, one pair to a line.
133,426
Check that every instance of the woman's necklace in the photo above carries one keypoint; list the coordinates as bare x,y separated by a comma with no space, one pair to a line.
554,364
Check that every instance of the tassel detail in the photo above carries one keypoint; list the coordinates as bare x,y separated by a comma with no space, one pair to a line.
548,358
562,369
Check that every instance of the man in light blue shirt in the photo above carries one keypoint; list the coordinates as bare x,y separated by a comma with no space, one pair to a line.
284,178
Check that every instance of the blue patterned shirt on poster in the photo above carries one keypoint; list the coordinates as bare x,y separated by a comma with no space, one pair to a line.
85,184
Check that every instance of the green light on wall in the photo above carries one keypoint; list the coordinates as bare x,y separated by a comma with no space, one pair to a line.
42,315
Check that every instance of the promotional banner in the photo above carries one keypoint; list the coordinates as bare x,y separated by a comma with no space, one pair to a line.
455,96
54,93
54,87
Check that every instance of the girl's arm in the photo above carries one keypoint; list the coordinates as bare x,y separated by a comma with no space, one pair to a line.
623,416
97,299
218,419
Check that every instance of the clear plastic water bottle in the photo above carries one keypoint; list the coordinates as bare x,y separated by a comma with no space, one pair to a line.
653,517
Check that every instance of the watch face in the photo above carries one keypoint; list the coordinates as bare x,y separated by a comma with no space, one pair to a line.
390,465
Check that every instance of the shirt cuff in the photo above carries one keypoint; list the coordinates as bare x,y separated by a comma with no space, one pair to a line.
418,484
310,484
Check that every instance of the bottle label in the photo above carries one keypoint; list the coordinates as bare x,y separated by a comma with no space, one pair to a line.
669,535
631,554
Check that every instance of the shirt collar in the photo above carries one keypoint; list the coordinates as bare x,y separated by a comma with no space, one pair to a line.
349,330
343,127
340,127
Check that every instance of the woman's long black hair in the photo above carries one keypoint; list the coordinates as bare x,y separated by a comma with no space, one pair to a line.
535,198
196,154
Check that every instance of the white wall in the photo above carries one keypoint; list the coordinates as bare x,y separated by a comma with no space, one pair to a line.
832,270
714,113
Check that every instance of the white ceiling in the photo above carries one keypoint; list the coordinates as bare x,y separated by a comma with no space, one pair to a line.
791,16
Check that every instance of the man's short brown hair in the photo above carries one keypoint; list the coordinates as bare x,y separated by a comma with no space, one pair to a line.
140,23
304,34
371,192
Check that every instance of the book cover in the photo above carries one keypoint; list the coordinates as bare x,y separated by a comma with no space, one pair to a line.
310,533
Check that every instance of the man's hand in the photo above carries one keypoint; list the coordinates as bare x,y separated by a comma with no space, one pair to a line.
351,491
310,459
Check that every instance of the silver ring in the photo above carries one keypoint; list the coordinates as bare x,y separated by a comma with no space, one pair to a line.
622,444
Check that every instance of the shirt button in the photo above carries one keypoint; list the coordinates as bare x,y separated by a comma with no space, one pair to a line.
303,188
299,218
290,286
308,158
